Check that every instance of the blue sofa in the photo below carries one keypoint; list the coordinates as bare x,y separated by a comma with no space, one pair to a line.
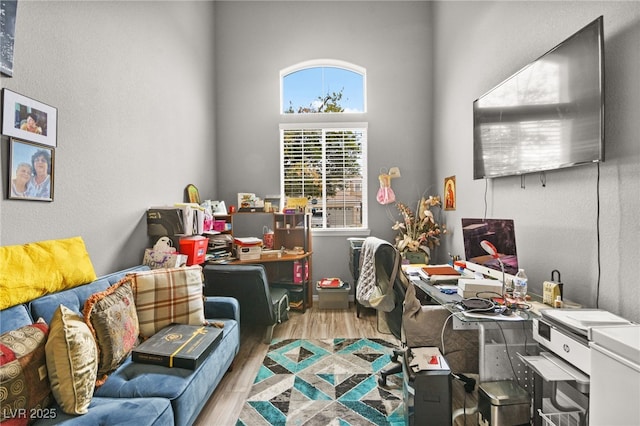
139,394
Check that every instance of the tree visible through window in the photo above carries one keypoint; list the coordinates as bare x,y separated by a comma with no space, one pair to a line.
311,88
325,162
326,166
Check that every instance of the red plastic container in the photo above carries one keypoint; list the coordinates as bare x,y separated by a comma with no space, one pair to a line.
195,248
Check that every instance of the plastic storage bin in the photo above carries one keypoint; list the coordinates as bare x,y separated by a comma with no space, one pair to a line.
334,298
195,248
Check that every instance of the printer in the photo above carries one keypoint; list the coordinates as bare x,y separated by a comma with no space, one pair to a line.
567,332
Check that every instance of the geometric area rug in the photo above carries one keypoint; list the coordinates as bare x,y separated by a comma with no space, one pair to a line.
324,382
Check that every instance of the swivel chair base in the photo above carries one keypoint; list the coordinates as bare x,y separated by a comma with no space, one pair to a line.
394,369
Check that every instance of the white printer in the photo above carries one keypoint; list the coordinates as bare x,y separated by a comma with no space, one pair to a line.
567,332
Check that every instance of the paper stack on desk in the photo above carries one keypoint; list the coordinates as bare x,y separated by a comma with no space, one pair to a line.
427,358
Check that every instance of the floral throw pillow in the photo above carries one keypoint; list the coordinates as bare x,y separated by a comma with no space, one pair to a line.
112,318
72,361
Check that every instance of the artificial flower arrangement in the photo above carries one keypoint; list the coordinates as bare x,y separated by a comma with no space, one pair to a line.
421,232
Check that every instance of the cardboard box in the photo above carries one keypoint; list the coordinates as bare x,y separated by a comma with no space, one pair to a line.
334,298
248,252
485,288
178,346
195,248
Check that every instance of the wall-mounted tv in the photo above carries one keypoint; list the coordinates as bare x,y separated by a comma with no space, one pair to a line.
548,115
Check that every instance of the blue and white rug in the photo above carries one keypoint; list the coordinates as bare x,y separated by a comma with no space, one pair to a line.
324,382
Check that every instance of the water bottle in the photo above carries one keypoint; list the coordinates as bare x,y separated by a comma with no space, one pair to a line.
520,285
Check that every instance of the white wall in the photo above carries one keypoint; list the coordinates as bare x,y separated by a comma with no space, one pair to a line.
479,44
255,40
133,84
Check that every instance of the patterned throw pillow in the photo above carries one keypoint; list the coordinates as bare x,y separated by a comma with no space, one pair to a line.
24,384
166,296
72,361
111,317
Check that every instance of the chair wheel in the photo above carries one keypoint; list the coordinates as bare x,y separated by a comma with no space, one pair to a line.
382,380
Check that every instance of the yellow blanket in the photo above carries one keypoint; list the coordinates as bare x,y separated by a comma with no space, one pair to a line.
32,270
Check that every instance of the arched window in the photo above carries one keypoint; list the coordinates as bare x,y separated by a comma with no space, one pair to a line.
323,86
325,161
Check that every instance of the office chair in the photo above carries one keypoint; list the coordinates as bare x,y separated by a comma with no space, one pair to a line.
260,304
417,322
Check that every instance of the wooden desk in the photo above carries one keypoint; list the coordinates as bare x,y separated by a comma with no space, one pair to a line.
280,273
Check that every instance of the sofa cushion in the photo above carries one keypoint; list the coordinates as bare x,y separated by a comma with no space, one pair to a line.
188,390
72,361
24,384
14,317
35,269
111,317
117,411
166,296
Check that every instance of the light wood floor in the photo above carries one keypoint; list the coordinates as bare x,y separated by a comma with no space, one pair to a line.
224,406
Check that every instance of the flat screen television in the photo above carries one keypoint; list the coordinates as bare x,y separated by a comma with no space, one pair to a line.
548,115
499,232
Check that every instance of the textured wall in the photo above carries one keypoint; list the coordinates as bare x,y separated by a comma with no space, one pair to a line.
133,84
479,44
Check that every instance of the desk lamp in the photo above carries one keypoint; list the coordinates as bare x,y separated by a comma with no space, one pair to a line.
491,249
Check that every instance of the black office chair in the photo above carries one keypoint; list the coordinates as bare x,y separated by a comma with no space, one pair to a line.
260,304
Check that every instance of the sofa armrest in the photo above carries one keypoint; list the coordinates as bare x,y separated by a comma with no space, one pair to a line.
221,307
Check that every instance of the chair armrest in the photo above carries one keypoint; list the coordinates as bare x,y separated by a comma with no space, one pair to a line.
221,307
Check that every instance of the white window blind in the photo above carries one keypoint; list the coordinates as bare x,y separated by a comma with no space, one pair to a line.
327,165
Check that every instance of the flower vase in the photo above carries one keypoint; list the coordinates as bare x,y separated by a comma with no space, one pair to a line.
415,256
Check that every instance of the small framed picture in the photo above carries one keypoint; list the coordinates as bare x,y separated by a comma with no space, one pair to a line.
193,195
29,119
31,171
450,193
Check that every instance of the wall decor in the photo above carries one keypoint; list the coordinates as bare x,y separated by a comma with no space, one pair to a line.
8,9
28,119
193,195
31,168
450,193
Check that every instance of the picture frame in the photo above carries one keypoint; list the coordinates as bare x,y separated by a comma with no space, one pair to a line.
28,119
192,194
450,193
8,11
31,171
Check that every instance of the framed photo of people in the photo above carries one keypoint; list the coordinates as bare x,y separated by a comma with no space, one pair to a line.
28,119
31,169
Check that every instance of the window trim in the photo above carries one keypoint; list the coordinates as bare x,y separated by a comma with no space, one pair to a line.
326,63
364,229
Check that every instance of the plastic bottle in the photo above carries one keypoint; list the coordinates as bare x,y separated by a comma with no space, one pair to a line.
520,284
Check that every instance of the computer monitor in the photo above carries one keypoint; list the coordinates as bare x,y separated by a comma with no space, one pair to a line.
500,233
